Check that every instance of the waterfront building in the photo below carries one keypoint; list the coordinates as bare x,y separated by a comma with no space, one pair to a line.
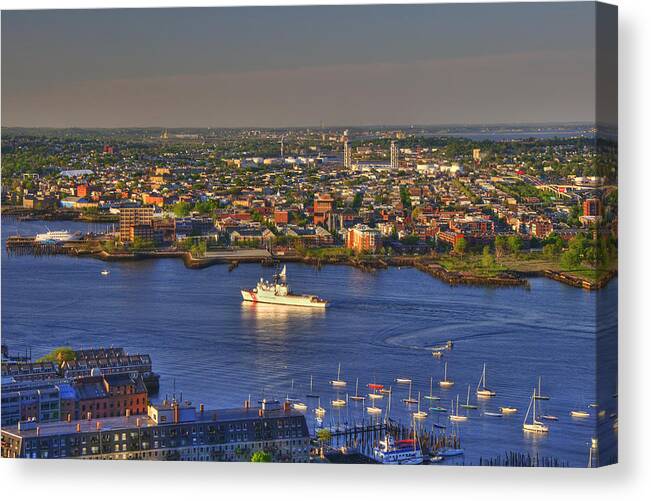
323,203
132,217
111,361
29,371
361,238
32,400
169,431
109,396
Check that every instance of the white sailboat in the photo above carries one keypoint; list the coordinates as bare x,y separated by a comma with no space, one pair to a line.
357,397
319,411
338,382
419,414
431,396
446,383
456,416
535,426
409,400
482,390
468,405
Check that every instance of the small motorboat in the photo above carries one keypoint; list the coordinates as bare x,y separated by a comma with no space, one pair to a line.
104,272
547,417
508,410
437,353
447,452
403,380
579,414
338,402
373,410
493,414
438,408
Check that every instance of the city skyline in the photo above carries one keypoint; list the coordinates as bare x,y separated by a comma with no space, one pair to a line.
300,66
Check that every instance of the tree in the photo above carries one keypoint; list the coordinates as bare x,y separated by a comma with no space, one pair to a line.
182,209
324,435
59,355
487,259
460,246
261,457
501,246
514,243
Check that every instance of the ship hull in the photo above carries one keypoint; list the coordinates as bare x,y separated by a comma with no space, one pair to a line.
289,300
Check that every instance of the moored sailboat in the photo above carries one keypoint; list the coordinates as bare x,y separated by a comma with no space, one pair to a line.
338,382
357,397
482,390
456,416
446,383
535,426
468,405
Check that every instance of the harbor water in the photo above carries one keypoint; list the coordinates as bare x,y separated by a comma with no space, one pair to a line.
209,346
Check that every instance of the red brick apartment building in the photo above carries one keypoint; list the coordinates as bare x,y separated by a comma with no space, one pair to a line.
361,238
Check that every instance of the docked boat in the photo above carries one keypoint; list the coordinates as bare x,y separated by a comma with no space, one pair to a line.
539,395
535,426
57,236
579,414
468,405
357,397
456,416
389,451
278,292
482,390
446,383
447,452
338,382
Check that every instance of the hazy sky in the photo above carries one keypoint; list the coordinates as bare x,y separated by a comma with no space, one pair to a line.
285,66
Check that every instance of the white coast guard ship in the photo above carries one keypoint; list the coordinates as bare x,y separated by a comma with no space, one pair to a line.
278,292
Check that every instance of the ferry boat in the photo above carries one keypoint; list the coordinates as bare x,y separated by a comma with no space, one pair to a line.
278,292
57,236
389,451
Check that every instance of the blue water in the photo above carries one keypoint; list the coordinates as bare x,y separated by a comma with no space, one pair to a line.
208,345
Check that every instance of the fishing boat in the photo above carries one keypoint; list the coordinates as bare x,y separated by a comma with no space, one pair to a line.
419,414
468,405
580,414
312,394
508,410
389,451
403,380
338,382
431,396
409,400
535,426
446,383
539,395
104,272
456,416
357,397
482,390
493,414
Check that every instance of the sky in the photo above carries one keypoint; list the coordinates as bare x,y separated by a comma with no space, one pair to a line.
299,66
